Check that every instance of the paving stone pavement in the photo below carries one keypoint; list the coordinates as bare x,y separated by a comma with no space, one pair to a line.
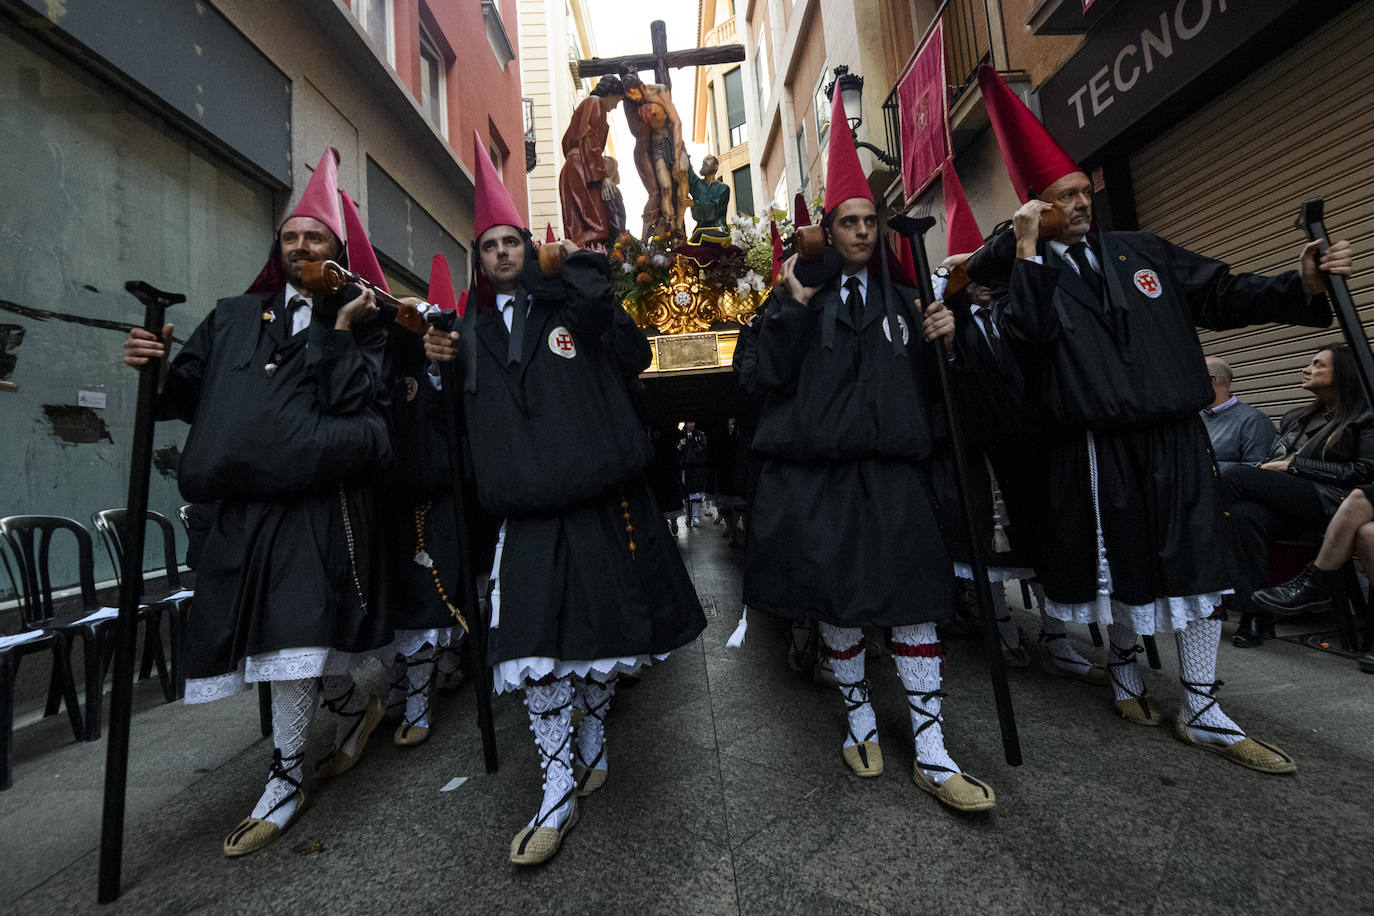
727,795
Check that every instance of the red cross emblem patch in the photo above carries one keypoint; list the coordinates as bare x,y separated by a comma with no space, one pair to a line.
1147,281
561,343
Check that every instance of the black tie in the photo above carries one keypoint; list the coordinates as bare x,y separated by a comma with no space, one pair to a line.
295,303
517,331
990,332
854,301
1079,252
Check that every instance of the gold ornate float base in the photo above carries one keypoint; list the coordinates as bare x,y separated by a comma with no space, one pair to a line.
683,310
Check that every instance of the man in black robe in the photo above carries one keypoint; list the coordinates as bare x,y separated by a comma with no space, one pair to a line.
1106,321
586,583
283,394
843,527
695,463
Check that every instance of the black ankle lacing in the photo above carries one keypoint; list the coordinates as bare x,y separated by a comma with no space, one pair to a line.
932,719
1209,693
422,690
548,760
1123,657
596,712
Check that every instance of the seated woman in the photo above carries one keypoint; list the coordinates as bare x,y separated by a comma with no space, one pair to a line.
1323,449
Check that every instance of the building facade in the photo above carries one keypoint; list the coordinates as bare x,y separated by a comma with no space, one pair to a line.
723,111
161,141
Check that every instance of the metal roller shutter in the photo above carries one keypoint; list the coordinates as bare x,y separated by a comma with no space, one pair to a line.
1227,182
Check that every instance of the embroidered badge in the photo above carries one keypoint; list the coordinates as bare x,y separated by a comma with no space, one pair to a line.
561,343
412,389
901,323
269,316
1147,281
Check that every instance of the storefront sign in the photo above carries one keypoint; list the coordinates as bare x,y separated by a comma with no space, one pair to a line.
1143,54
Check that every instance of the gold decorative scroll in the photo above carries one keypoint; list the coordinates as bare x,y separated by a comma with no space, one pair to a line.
685,305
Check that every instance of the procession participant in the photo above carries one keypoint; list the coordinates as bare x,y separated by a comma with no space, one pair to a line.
842,526
417,515
1107,320
586,584
581,180
989,388
696,470
283,394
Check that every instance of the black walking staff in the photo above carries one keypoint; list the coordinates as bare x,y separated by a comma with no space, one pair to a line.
914,230
155,304
458,471
1311,221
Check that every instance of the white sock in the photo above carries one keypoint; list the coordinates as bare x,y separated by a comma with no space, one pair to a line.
1197,665
595,697
1055,635
916,650
448,661
293,702
550,708
1123,672
419,682
844,647
396,688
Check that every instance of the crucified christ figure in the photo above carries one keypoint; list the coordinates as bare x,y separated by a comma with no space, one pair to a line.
660,155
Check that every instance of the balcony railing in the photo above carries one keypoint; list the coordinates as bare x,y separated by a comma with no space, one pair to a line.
892,123
722,34
968,42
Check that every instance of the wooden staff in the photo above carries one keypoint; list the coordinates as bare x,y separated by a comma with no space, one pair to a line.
155,304
914,230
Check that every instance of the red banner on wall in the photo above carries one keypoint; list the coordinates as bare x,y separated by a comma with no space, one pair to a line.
921,99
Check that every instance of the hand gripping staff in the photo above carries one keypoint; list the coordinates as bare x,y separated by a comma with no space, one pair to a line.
1311,221
155,304
914,230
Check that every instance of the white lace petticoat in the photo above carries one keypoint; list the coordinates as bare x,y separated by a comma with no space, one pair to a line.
280,665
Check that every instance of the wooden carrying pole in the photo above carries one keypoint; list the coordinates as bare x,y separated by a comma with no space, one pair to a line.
155,304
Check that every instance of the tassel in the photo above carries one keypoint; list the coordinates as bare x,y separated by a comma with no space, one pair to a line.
737,638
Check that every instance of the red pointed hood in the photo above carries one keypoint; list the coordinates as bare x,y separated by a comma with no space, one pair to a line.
844,177
494,206
961,229
548,234
362,260
801,213
441,284
320,201
1033,158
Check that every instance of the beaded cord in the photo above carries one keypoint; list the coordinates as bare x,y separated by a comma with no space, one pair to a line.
421,514
629,527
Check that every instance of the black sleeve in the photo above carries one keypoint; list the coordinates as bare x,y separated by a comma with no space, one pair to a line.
181,390
1028,312
628,346
589,294
1220,300
784,336
350,370
1358,470
745,362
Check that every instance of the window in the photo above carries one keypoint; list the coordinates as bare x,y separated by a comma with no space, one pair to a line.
822,109
744,191
496,34
378,21
497,159
763,73
433,88
801,158
734,106
715,121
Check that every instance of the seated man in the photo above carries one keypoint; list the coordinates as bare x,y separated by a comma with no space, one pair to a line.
1240,434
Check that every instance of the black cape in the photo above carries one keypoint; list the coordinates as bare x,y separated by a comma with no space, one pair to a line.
282,569
559,453
1131,370
842,524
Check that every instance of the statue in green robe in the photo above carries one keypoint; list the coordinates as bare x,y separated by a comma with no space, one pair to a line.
710,200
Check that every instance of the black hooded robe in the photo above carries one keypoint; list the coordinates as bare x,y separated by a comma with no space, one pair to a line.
287,457
1132,374
843,527
559,453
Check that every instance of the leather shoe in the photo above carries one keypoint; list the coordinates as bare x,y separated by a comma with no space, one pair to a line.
1249,635
1309,590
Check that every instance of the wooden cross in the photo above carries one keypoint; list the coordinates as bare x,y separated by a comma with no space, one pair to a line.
661,58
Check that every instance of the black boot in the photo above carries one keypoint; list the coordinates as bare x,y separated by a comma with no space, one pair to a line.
1249,634
1309,590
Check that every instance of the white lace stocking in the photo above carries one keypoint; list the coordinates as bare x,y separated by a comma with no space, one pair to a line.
550,708
844,646
293,703
396,688
916,651
1123,672
595,700
1197,665
344,698
419,682
1055,635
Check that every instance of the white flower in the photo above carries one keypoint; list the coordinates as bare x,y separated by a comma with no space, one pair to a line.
755,280
743,285
682,298
627,267
659,260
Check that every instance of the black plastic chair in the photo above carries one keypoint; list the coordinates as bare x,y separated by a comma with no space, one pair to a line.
174,605
29,538
61,685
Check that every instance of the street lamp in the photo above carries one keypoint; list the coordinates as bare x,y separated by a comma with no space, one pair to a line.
851,97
